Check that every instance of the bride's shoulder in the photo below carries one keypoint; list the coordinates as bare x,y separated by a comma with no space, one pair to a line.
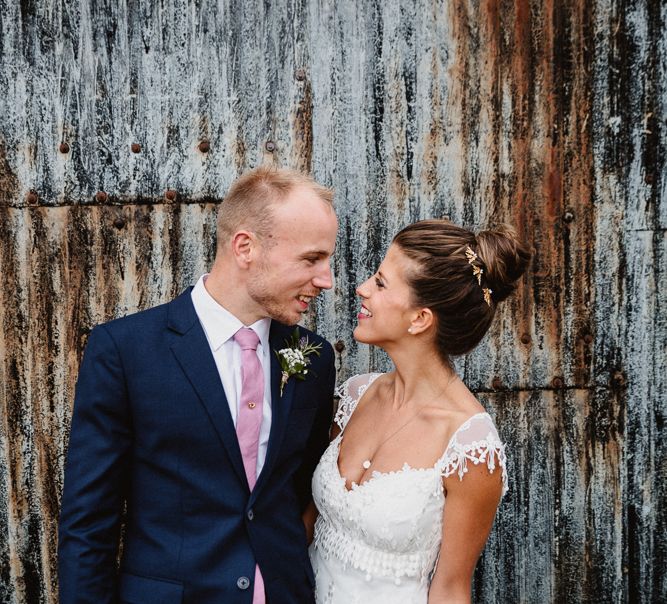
355,386
475,440
349,392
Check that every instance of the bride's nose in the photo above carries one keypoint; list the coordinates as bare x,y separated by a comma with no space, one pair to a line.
363,289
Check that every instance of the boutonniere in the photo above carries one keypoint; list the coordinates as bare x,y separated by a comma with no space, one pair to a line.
294,359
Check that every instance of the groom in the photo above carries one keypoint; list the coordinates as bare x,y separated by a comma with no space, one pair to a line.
181,419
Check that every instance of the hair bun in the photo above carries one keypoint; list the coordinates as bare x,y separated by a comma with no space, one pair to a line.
505,259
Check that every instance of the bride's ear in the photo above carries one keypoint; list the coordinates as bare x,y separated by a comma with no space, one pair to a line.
421,321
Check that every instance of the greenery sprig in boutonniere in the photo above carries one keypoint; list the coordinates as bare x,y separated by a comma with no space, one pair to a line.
294,358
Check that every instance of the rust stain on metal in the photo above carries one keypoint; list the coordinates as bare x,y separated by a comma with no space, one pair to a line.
9,183
302,131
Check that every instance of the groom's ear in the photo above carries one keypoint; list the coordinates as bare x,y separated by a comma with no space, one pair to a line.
243,246
422,321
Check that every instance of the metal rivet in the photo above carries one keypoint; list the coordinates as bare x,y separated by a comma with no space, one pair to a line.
497,383
300,74
568,216
64,148
339,346
119,223
618,379
557,382
525,338
136,148
32,198
170,194
270,146
251,405
101,197
204,146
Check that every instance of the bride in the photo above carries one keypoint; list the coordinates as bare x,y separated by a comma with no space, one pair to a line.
406,442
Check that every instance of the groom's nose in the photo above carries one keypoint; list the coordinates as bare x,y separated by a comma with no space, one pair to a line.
323,279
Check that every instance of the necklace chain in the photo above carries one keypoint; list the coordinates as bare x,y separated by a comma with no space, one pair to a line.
368,462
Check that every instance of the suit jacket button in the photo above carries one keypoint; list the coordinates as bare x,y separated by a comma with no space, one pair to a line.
243,583
250,514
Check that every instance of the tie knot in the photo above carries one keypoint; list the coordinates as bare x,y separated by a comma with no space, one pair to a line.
246,338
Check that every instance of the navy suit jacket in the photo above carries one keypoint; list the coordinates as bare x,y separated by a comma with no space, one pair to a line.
152,438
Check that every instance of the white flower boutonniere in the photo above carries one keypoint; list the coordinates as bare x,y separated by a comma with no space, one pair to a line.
294,358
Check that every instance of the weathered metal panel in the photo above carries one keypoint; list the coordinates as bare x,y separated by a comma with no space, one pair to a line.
124,123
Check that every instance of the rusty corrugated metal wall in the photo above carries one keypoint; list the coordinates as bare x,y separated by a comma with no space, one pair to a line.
123,124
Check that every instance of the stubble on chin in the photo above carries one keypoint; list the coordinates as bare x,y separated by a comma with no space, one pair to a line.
272,309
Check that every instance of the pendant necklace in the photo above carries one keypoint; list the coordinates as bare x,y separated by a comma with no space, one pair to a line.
367,463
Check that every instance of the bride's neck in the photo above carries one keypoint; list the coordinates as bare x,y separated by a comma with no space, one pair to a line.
419,378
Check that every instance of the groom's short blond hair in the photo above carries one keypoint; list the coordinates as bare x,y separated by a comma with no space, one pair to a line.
250,198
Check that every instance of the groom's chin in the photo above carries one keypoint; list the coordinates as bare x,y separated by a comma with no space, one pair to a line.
288,319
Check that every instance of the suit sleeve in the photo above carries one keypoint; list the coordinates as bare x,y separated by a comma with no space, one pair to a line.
95,477
319,436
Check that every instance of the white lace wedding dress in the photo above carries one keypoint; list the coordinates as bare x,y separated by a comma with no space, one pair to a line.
379,541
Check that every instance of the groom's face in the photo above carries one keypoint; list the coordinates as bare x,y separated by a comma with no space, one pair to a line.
294,261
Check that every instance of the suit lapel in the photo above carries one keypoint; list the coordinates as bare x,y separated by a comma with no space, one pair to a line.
280,405
193,354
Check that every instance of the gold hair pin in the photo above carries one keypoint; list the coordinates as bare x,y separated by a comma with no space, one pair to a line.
478,271
487,295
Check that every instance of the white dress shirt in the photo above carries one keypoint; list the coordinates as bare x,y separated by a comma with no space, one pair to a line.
220,326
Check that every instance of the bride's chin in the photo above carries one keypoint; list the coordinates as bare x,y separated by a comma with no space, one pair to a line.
357,334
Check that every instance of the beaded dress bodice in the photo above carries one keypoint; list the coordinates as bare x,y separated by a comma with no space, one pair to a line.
379,541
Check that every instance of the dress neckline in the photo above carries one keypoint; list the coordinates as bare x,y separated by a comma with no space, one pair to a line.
406,466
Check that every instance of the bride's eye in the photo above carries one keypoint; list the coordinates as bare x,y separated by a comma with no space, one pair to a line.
379,282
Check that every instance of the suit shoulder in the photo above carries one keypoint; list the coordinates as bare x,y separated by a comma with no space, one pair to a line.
132,322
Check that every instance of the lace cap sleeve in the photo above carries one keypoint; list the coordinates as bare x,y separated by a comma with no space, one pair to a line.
476,441
350,392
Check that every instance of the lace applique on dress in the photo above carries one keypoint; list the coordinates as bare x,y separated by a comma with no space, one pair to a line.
350,392
477,441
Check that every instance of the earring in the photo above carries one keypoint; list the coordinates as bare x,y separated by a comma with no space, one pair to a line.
409,329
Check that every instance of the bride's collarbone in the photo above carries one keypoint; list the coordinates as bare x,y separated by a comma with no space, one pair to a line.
363,450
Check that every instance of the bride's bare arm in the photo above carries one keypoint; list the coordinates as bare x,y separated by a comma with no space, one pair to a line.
470,508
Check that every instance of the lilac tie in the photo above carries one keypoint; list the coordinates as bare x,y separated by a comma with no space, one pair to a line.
249,420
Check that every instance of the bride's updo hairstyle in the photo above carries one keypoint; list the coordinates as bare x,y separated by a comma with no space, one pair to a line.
461,277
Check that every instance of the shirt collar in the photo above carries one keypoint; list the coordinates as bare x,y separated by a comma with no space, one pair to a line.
219,324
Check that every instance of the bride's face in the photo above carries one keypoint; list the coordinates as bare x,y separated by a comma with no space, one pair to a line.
386,310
